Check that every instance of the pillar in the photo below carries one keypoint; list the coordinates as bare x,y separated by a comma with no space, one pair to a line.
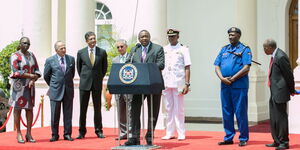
246,20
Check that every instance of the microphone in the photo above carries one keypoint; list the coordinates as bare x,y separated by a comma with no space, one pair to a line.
138,45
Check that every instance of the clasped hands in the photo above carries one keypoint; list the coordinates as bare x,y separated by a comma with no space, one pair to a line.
33,78
228,80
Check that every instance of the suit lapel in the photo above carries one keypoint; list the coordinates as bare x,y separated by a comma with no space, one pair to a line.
118,59
149,53
56,60
274,61
67,63
57,63
97,50
138,54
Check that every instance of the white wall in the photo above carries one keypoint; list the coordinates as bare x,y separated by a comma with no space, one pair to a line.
10,26
203,25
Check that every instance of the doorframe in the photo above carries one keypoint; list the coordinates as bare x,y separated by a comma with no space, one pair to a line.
290,37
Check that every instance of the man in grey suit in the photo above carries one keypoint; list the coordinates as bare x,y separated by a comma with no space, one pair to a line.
91,67
123,100
147,52
282,86
59,73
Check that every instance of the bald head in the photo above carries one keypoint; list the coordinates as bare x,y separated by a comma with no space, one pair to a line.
269,46
271,42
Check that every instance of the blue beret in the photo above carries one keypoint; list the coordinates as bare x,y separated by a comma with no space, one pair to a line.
234,29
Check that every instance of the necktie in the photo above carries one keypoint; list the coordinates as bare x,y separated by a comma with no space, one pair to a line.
269,73
144,53
92,59
62,64
122,59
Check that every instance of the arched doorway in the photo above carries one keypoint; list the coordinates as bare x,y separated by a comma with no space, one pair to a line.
293,33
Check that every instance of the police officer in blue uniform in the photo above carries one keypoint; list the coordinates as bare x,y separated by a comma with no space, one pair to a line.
232,66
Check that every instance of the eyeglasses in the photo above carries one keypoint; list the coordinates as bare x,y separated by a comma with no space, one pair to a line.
120,47
25,43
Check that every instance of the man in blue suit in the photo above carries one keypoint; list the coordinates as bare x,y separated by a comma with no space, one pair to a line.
59,73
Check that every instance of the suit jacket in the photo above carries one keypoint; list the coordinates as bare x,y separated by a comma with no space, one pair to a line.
117,60
155,54
281,78
59,82
91,76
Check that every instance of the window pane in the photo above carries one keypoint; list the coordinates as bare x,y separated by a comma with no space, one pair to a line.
109,16
99,6
97,14
104,36
296,9
101,16
105,9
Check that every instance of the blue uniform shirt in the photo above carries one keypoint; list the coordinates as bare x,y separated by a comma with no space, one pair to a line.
230,63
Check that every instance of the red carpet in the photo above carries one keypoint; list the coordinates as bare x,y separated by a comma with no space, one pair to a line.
196,140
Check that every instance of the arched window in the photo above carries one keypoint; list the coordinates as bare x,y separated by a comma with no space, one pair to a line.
103,25
293,33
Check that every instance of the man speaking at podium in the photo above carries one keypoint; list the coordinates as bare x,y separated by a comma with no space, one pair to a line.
146,52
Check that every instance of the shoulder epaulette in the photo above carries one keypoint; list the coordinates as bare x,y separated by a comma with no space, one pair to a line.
184,45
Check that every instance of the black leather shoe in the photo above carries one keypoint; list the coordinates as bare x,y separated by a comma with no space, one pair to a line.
68,138
225,143
80,136
283,146
242,143
100,135
122,137
132,142
54,138
272,145
149,142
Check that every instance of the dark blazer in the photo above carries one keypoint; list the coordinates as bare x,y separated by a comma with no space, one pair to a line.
155,54
281,78
91,76
59,83
61,90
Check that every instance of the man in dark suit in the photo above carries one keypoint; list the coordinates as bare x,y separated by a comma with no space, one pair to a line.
123,100
59,73
91,67
282,86
147,52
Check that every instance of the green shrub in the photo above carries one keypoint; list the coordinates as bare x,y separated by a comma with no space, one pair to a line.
113,52
106,41
5,65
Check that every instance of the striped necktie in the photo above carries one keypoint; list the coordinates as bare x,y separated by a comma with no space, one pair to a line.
144,54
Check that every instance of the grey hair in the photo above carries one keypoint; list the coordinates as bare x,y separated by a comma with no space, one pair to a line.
271,42
122,41
55,45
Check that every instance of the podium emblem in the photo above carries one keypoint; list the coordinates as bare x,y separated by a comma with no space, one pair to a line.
128,74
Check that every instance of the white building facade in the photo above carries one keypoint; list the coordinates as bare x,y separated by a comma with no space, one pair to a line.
203,25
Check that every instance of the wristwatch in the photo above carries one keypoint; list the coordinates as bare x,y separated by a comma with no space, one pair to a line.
188,84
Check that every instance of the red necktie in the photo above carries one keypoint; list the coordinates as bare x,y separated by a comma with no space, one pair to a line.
270,67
